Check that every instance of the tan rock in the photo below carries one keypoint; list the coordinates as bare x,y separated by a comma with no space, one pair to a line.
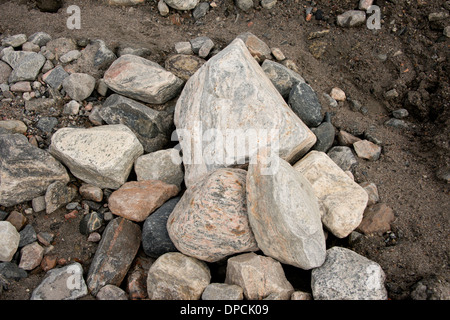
346,139
338,94
377,219
31,256
136,200
90,192
17,219
367,150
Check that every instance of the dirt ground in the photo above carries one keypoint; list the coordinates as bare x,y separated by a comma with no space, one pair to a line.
408,54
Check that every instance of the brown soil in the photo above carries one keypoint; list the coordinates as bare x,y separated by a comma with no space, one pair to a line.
417,60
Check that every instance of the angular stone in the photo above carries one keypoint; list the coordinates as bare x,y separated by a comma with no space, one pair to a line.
47,124
364,4
31,256
206,48
70,56
79,86
26,66
55,77
200,10
304,102
174,276
102,156
324,133
114,255
136,200
10,270
376,219
258,276
163,8
351,18
367,150
343,157
111,292
346,139
346,275
9,241
90,192
257,48
5,71
40,38
142,79
165,165
282,77
341,200
184,65
25,171
66,283
14,126
137,278
223,291
61,46
38,204
151,127
182,47
197,43
91,222
27,236
268,4
182,4
58,195
284,214
213,100
244,5
17,219
14,41
372,192
210,221
21,86
155,237
300,295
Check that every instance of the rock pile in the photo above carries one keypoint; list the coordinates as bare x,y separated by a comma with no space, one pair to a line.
254,186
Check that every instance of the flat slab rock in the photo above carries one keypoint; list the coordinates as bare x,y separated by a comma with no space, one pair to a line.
210,221
230,100
102,156
341,200
25,170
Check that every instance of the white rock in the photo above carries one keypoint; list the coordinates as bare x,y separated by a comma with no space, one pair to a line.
9,240
226,101
163,8
182,4
351,18
102,156
342,201
70,56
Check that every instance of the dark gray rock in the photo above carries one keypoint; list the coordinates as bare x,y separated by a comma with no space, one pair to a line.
51,6
25,171
155,238
151,127
282,77
40,38
47,124
200,10
10,270
55,77
91,222
325,136
343,157
27,235
304,102
197,43
26,65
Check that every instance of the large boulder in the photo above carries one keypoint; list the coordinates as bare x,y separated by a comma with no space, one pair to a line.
25,170
102,156
228,110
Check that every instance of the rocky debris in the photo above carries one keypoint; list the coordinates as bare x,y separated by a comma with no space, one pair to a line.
431,288
79,86
27,236
10,270
141,79
183,65
258,276
284,214
376,219
17,219
5,71
341,200
364,4
200,10
346,275
14,126
114,255
14,41
372,192
244,5
102,156
151,127
182,4
346,139
400,113
31,256
225,98
210,221
343,157
65,283
136,284
223,291
304,102
9,241
26,65
58,194
55,77
351,18
183,47
111,292
175,276
155,237
165,165
367,150
136,200
281,76
26,171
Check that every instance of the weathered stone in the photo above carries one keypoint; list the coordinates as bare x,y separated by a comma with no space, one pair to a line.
114,255
90,192
258,276
341,200
284,214
38,204
142,79
206,48
102,156
346,139
367,150
282,77
61,46
58,195
183,65
223,291
111,292
70,56
91,222
55,77
268,4
182,4
151,127
26,65
324,133
163,8
200,10
25,171
376,219
64,283
351,18
165,165
346,275
182,47
343,157
300,295
197,43
27,236
257,48
136,200
137,278
14,41
5,71
400,113
372,192
337,94
10,270
31,256
79,86
155,237
213,100
304,102
244,5
21,86
40,38
9,241
174,276
47,124
278,54
364,4
17,219
14,126
210,221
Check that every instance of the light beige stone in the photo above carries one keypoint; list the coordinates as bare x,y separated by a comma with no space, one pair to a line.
9,241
